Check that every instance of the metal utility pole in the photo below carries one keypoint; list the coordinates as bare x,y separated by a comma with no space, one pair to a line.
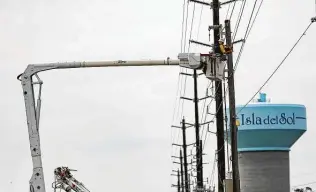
186,180
232,111
197,134
219,103
181,168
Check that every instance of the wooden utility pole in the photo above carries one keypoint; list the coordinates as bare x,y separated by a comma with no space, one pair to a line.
232,110
181,170
185,161
219,103
197,134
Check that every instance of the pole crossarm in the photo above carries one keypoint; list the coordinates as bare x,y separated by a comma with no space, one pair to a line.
200,43
182,145
211,3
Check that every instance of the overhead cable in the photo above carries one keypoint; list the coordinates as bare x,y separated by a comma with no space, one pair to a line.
277,68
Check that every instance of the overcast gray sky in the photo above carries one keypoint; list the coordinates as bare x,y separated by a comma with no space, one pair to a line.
113,124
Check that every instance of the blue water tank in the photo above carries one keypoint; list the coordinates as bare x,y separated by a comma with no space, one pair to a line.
269,127
266,132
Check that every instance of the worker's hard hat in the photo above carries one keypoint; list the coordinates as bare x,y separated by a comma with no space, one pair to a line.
221,40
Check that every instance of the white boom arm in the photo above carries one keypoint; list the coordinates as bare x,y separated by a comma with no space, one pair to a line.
37,184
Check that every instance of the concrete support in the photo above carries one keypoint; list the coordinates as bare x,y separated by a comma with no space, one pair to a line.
264,171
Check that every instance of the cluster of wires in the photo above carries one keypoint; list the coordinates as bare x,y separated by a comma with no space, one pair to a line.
178,110
186,35
205,129
182,82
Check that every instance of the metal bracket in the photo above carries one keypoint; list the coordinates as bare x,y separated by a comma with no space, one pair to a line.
203,98
200,43
238,41
211,3
182,146
200,2
208,122
227,2
186,98
187,74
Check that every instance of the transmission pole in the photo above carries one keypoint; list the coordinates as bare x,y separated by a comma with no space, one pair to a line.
219,103
186,181
181,169
197,134
232,111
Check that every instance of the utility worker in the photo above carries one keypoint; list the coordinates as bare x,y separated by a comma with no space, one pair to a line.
224,49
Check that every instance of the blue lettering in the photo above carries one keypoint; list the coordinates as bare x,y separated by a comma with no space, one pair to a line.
253,118
267,120
248,121
273,121
282,119
242,119
258,121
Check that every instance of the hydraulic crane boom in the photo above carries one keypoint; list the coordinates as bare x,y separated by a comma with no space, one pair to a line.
37,184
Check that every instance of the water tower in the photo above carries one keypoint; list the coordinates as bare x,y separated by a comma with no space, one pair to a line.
266,133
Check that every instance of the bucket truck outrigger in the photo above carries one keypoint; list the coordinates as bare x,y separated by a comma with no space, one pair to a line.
212,70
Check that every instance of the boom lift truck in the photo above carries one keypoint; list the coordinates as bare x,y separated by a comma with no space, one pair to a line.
212,70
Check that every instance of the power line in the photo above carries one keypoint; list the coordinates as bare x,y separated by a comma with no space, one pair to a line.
239,18
199,26
226,128
183,49
183,13
277,68
231,14
205,139
228,9
205,107
253,9
186,26
254,18
191,26
247,33
180,78
240,52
